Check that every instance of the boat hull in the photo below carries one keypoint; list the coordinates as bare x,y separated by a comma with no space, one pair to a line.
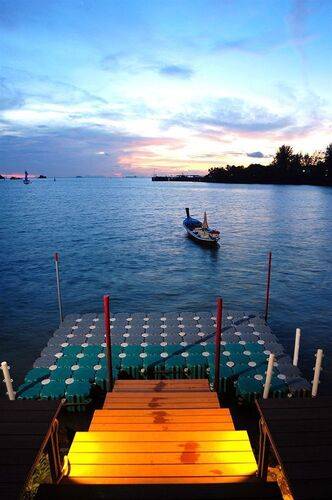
202,241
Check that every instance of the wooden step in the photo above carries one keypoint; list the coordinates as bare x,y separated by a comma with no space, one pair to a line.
178,446
183,437
161,405
144,400
161,385
161,458
171,412
109,426
163,417
160,480
104,420
106,471
163,395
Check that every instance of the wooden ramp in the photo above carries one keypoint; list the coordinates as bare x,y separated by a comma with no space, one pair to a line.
161,432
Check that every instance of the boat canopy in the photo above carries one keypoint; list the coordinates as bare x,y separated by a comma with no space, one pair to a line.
192,223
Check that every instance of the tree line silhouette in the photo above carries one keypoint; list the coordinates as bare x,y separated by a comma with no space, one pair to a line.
287,167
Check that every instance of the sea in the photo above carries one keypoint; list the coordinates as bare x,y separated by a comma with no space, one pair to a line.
124,237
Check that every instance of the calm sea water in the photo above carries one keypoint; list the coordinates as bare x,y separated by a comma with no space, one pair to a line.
125,237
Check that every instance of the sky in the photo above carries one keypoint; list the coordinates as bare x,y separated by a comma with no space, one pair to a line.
133,87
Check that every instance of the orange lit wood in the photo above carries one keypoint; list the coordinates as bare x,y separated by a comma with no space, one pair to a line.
164,432
157,447
203,412
222,426
162,480
186,470
213,415
196,396
186,457
160,405
161,385
183,436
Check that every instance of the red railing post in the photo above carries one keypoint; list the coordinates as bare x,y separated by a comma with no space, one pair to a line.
107,328
267,298
217,345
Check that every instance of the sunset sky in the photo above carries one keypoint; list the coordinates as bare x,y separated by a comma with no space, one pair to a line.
105,87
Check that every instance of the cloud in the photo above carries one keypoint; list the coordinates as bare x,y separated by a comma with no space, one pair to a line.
256,154
39,87
176,71
113,61
78,150
232,115
10,97
248,44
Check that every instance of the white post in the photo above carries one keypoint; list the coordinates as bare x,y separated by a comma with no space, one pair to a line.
318,364
296,346
57,272
8,381
268,376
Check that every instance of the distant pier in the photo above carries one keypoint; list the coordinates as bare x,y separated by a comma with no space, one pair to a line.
179,178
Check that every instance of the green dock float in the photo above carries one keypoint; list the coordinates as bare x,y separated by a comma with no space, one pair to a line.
159,346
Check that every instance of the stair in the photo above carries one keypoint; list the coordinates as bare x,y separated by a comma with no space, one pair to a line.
161,432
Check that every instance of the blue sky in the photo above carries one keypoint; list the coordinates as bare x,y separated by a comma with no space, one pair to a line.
100,87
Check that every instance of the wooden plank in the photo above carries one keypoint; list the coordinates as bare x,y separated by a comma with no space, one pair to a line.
298,440
21,428
160,471
14,474
20,442
157,446
161,398
298,413
161,420
187,457
161,389
183,436
300,426
157,390
203,412
310,489
221,426
29,405
26,417
18,456
305,453
229,491
160,417
309,470
192,381
162,480
195,396
320,402
10,491
155,387
160,404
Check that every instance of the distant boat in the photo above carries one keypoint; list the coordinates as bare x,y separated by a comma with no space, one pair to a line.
54,179
26,180
200,231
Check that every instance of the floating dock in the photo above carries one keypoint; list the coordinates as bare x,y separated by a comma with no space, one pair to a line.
171,345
